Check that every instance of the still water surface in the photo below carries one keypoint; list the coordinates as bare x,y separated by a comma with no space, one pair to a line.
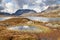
4,18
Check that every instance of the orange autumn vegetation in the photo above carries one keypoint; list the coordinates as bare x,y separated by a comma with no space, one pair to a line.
17,35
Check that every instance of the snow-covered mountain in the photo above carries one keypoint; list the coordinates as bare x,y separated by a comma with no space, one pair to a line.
52,8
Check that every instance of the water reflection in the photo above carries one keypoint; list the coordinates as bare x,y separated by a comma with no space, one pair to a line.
4,18
25,28
43,19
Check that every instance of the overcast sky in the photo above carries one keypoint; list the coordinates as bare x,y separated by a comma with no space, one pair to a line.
37,5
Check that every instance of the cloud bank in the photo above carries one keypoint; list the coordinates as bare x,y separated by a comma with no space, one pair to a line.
37,5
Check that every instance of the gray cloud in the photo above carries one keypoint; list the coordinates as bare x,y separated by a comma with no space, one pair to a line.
50,2
22,2
1,8
0,1
34,4
30,2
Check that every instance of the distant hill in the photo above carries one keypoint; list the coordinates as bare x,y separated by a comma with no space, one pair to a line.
51,11
5,13
18,12
23,11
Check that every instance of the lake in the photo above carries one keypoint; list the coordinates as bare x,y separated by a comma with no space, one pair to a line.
4,18
44,19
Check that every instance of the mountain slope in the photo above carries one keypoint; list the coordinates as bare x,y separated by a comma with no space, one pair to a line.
23,11
52,11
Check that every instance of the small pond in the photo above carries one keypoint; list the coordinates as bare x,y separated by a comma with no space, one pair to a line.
26,28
